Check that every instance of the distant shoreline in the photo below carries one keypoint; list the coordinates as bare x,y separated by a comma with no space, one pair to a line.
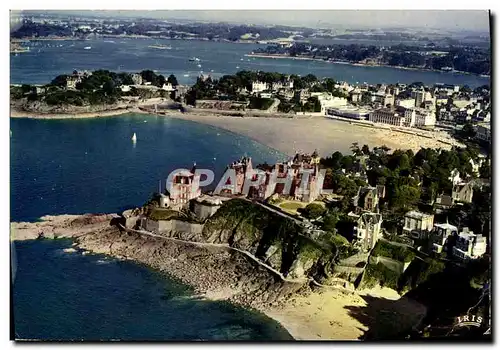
304,58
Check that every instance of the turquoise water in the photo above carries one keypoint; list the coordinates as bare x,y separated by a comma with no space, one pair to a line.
48,59
91,165
67,296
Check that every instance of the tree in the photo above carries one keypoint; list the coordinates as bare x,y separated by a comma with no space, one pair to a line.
172,80
330,221
355,149
365,149
26,88
60,80
468,131
313,211
126,78
485,170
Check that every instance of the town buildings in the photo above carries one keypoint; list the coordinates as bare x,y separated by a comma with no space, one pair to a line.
483,132
463,192
440,236
417,224
258,86
349,112
184,186
367,199
368,230
469,245
398,116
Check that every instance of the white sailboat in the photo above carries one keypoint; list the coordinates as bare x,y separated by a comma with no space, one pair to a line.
134,138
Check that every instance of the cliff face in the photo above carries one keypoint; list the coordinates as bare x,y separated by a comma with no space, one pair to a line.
276,240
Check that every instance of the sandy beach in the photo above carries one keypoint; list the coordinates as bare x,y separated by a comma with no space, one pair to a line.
287,135
304,133
335,315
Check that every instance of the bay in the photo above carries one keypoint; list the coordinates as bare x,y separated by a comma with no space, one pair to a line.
49,58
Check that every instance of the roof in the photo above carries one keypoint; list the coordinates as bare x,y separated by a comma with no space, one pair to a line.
446,226
445,200
371,218
417,214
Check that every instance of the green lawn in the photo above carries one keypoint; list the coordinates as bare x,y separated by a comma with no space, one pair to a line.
291,205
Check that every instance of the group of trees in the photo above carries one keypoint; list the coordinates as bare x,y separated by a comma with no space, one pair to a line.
466,59
100,87
156,28
411,180
231,87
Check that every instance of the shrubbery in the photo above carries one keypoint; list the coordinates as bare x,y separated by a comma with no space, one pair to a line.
388,250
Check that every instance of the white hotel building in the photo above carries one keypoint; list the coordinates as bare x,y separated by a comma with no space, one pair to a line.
394,116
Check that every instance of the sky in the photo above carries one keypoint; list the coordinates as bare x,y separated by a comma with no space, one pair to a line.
475,20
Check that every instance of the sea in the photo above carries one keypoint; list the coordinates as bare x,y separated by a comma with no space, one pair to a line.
47,59
91,166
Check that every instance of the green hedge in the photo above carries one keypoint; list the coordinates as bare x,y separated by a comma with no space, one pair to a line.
396,252
380,274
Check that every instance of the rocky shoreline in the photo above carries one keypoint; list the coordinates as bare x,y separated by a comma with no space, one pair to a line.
219,273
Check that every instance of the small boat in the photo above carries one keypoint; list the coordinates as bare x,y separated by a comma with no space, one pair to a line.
194,59
237,67
161,47
186,75
134,138
199,65
87,47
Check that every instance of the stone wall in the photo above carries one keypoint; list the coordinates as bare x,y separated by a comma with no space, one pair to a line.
171,227
203,211
348,273
355,259
394,265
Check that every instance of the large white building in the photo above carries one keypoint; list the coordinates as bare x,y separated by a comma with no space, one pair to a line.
425,118
406,103
328,101
469,245
394,116
418,224
258,86
419,96
349,112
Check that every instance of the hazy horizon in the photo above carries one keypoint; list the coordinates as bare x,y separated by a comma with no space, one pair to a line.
456,20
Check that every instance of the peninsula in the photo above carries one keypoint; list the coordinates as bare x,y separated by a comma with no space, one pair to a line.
317,261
